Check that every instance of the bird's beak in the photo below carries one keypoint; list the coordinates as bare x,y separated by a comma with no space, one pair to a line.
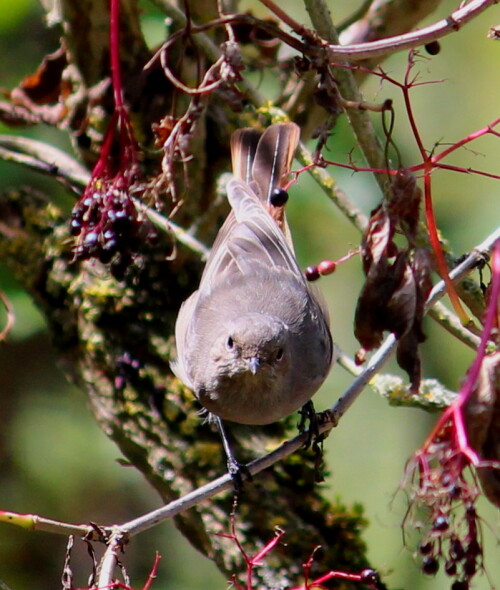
254,364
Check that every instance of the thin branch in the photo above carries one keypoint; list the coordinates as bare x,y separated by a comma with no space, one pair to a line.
33,522
110,560
360,120
376,49
11,317
331,189
450,322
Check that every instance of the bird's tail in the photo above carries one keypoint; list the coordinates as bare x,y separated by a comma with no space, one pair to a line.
263,160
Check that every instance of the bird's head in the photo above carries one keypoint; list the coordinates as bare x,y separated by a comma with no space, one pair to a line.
253,344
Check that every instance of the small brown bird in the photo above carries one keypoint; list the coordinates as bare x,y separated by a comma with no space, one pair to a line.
253,341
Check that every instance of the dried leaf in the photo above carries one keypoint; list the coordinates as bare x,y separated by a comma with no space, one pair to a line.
377,239
38,97
373,315
404,203
44,86
397,282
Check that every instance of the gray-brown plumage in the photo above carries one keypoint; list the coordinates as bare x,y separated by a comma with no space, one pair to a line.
253,341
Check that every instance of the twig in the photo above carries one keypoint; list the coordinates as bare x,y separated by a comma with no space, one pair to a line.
110,559
332,191
333,51
33,522
11,317
450,322
383,47
360,120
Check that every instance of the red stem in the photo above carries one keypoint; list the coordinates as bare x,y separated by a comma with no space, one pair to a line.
114,48
454,411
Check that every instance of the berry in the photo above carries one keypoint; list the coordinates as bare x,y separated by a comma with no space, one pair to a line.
470,566
369,576
456,549
425,547
326,267
312,273
433,48
441,523
430,566
279,197
450,567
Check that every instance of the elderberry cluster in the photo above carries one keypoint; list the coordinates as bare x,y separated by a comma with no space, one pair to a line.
459,549
106,225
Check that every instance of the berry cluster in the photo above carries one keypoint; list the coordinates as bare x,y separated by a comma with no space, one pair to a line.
107,226
326,267
460,549
452,537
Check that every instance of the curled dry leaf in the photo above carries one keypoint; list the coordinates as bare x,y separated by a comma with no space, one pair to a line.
397,280
482,421
38,96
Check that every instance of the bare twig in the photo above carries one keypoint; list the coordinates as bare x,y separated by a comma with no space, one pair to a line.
360,120
450,322
34,522
383,47
9,310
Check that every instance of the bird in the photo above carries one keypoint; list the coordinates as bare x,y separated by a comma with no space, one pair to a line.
253,341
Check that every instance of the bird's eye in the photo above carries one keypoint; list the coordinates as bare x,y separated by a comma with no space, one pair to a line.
230,343
279,354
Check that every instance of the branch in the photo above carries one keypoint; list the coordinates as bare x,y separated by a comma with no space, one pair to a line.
383,47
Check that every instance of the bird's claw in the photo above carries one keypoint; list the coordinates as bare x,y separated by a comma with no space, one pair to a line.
239,474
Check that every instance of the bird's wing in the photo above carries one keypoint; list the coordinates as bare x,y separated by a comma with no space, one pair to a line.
249,238
182,326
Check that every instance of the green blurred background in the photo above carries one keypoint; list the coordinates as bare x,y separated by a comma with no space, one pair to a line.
54,460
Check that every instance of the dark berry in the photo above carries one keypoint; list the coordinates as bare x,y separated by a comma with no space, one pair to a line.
107,252
441,523
90,240
430,565
450,567
279,197
312,273
460,585
456,549
425,547
76,227
433,48
470,566
368,576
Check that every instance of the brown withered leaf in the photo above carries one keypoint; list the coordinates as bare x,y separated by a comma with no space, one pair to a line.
404,203
394,294
44,86
376,310
482,422
38,97
407,351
